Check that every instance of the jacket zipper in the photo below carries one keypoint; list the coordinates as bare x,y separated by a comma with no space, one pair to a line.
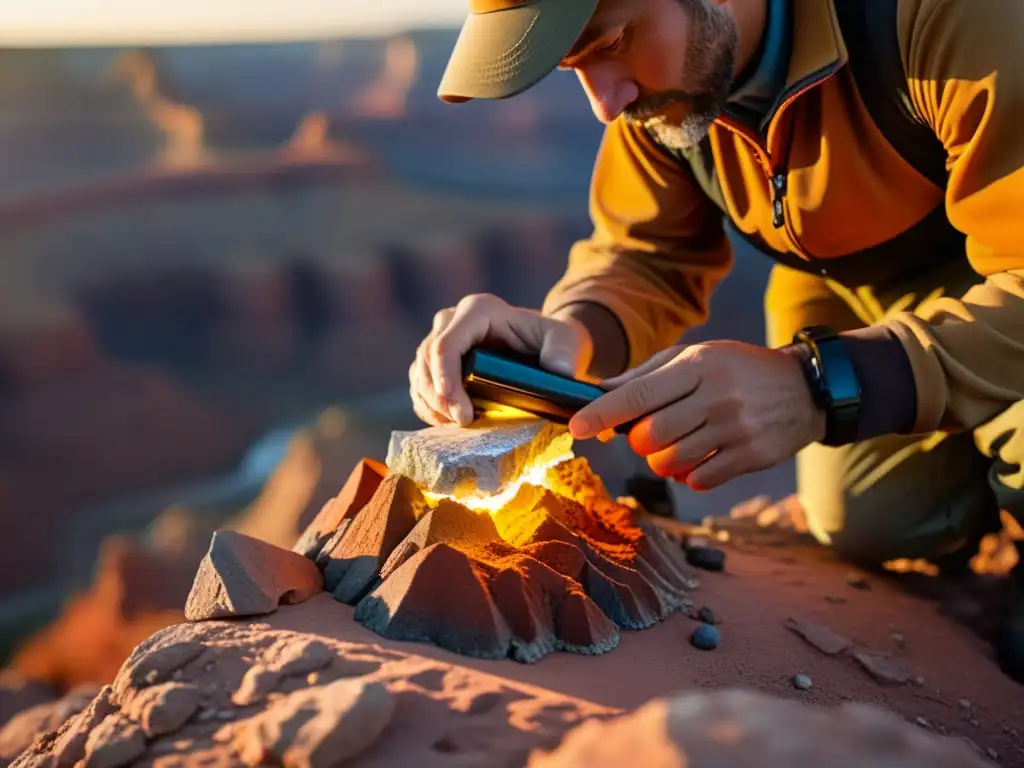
777,175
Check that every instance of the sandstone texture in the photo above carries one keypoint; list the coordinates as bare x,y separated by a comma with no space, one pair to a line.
185,697
746,729
243,576
482,459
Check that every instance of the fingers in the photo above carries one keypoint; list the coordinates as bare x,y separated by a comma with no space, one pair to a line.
476,319
635,398
670,424
422,378
566,349
651,364
416,389
681,458
717,470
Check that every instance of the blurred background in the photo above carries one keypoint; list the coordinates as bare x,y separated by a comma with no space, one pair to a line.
223,232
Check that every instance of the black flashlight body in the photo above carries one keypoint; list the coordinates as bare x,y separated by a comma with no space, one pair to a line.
507,379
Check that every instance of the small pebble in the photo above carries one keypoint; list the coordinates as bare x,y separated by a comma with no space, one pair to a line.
802,682
835,599
919,680
975,722
923,722
992,753
706,615
313,678
899,639
705,637
964,704
708,558
857,580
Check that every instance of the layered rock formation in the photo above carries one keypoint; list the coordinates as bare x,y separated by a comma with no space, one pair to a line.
560,567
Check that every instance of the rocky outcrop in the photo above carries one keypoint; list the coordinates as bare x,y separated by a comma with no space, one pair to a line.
746,729
549,571
235,692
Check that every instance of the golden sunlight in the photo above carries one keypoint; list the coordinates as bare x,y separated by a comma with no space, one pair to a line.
535,474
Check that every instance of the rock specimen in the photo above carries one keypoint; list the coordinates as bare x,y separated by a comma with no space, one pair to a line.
353,563
362,483
559,567
480,460
242,576
744,729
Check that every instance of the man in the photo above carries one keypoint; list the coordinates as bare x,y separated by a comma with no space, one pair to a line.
874,150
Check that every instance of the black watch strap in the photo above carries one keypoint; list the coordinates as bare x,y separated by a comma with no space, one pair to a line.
833,381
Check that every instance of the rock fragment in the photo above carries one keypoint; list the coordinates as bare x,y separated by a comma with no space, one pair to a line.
294,657
354,495
22,729
705,638
319,727
156,665
243,576
802,682
354,564
857,580
163,708
437,597
479,460
70,743
821,637
884,670
708,558
581,627
114,742
706,616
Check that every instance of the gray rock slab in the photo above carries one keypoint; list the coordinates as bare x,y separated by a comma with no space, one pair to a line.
482,459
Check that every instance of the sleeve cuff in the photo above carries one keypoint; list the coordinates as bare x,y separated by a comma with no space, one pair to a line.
888,389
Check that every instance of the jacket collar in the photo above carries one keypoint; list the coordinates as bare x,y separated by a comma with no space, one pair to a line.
818,47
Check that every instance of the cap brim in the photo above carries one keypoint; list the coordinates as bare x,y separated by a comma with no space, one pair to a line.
503,53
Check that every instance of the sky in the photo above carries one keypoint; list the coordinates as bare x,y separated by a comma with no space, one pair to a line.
102,22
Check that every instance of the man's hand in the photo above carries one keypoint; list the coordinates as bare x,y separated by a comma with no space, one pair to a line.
435,376
713,411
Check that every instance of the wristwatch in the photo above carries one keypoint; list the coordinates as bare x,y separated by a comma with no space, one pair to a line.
833,381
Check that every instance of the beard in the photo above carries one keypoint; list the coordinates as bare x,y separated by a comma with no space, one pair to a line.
709,65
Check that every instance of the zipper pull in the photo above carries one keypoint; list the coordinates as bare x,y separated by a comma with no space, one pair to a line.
778,183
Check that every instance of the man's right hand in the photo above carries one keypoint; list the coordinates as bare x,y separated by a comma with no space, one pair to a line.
435,376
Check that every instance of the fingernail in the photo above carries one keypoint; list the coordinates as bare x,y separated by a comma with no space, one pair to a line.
444,386
562,365
462,416
580,427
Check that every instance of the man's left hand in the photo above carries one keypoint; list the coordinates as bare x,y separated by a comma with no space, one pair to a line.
711,411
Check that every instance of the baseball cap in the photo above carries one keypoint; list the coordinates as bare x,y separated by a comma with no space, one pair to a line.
507,46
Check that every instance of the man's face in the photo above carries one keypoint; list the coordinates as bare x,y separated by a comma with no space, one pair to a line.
667,64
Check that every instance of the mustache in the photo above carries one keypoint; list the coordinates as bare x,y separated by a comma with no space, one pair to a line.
652,105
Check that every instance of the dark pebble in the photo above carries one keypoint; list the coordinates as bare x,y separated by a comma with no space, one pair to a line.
708,558
706,615
705,637
857,581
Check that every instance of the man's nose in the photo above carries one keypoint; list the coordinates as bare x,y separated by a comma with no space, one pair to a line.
609,93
